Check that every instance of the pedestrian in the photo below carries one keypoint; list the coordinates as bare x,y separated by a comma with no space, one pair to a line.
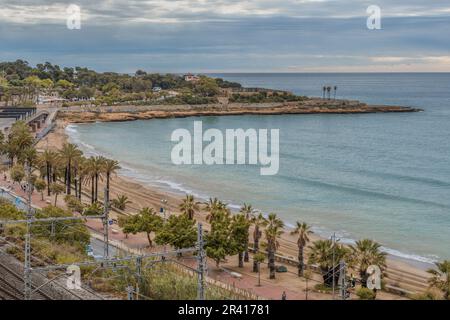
283,296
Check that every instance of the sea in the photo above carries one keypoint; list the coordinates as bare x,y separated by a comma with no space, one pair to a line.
380,176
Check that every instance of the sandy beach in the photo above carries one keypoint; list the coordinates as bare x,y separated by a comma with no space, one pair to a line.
401,273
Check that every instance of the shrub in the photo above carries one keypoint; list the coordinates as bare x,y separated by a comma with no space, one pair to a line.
73,203
366,294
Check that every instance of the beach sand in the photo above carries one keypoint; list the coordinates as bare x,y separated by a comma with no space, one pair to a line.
400,273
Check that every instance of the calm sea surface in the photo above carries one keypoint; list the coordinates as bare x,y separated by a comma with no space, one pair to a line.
382,176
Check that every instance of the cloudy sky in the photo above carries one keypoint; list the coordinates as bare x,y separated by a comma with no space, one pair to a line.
230,35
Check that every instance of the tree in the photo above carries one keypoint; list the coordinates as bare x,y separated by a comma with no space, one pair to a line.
69,153
94,209
94,170
40,186
218,242
247,211
128,224
121,202
214,206
110,167
239,236
441,278
47,161
73,203
19,140
206,87
64,84
258,222
78,236
17,173
259,258
148,221
273,231
321,253
189,206
303,231
56,189
364,254
178,231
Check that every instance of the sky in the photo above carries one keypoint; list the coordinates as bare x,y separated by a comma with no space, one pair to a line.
230,35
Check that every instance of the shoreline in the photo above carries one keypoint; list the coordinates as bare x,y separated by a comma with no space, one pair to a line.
142,194
119,113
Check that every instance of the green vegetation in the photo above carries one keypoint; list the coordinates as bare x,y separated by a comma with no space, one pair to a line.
189,206
120,202
364,254
274,230
178,232
321,253
264,97
21,83
147,221
366,294
65,171
302,230
441,278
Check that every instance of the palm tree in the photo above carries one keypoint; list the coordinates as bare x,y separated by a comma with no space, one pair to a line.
47,161
335,89
258,258
189,206
321,253
110,167
258,222
273,231
69,153
441,278
121,202
213,207
324,90
56,190
239,235
303,231
364,254
19,139
247,211
94,168
329,92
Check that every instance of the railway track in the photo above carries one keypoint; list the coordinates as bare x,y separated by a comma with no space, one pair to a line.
12,283
8,291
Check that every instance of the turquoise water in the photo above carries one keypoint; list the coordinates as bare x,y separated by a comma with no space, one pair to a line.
382,176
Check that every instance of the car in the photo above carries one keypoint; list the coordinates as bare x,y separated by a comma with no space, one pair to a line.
281,269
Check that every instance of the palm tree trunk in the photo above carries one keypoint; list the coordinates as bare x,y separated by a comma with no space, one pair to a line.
256,249
96,187
92,190
300,261
75,172
107,184
241,259
272,264
246,256
79,188
69,178
48,178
